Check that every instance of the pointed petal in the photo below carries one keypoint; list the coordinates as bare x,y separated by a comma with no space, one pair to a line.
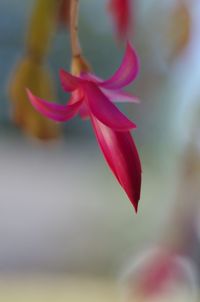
116,96
101,107
126,73
56,112
122,157
120,96
68,81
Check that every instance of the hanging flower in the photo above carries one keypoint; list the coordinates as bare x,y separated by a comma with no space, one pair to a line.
121,11
93,98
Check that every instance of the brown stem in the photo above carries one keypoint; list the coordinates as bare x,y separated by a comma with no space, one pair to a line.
74,15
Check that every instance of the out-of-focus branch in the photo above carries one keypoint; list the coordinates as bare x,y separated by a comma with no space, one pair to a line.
32,72
41,28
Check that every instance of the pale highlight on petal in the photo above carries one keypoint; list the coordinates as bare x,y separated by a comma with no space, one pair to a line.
118,96
56,112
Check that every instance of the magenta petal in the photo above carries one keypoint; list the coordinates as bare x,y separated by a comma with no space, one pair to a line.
122,157
126,73
101,107
118,96
84,112
68,81
91,77
56,112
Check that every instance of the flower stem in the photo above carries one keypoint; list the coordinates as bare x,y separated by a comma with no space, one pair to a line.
74,15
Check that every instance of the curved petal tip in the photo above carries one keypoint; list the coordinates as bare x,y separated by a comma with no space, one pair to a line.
56,112
127,72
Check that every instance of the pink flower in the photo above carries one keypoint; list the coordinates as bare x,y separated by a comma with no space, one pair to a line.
159,272
121,11
93,98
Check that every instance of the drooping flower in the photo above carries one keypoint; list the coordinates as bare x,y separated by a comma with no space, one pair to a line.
93,98
122,14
